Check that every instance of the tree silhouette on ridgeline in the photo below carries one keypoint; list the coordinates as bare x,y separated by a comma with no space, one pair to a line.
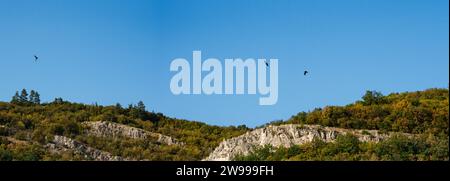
25,99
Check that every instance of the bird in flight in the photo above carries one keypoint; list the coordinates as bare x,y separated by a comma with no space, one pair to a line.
36,58
267,64
305,72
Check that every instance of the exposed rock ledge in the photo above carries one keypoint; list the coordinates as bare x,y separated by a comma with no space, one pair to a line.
109,129
61,143
285,136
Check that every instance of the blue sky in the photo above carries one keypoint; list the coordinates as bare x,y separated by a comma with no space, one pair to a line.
110,51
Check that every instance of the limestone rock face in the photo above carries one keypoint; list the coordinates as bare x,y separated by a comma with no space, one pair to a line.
62,143
109,129
285,136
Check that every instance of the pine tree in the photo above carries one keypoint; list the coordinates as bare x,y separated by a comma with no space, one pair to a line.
32,96
118,107
138,111
130,107
35,97
23,98
141,106
58,100
142,113
16,98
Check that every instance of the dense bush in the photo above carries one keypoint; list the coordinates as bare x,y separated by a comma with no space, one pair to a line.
410,112
348,147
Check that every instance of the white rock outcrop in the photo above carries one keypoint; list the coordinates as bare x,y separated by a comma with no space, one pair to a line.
285,136
62,143
109,129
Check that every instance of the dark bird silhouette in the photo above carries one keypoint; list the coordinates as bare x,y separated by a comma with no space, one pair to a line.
36,58
267,64
305,72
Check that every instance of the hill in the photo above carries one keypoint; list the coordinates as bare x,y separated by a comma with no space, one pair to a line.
423,114
410,112
28,129
289,135
62,130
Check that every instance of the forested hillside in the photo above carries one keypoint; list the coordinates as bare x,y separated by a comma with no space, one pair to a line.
422,113
410,112
31,130
26,125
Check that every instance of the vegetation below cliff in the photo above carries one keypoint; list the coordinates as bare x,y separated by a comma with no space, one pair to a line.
350,148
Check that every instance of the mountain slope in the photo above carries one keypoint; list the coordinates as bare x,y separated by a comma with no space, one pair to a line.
287,136
109,129
61,130
129,133
410,112
61,143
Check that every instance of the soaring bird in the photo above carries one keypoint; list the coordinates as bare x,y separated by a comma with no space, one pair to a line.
305,72
36,58
267,64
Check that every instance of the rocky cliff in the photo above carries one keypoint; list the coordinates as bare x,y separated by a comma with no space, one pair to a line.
61,143
105,129
285,136
109,129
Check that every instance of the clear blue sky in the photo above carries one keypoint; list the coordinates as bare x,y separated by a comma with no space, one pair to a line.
110,51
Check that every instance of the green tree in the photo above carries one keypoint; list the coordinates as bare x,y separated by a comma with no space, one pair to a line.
118,106
139,111
347,143
34,97
23,98
37,98
141,106
16,98
58,100
373,97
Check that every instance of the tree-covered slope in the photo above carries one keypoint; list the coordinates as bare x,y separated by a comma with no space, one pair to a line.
34,124
410,112
350,148
422,113
28,130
